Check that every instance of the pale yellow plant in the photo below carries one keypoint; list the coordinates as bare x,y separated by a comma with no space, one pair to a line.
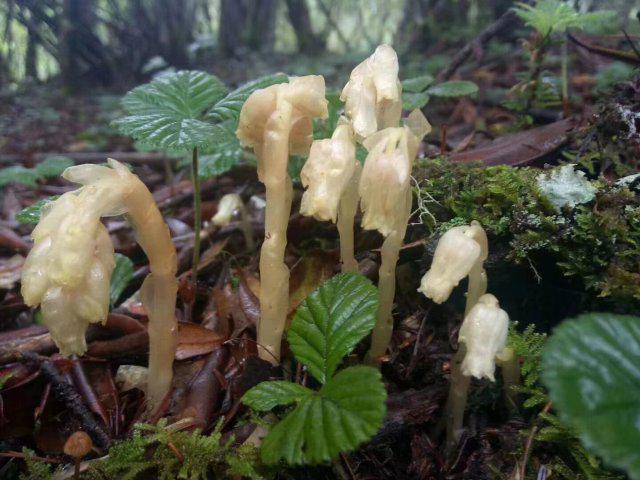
68,271
385,199
373,94
277,122
331,176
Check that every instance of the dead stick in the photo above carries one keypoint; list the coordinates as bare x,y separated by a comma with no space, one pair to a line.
71,398
506,20
606,52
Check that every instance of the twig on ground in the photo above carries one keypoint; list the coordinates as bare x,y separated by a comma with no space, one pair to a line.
70,397
477,44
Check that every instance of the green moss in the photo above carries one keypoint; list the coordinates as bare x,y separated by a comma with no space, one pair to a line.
597,242
167,453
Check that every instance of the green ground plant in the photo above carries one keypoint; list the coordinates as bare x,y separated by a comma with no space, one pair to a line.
595,242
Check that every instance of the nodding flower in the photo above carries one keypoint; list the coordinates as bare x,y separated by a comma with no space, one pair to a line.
228,206
277,122
68,271
385,183
327,173
270,112
373,94
484,333
460,252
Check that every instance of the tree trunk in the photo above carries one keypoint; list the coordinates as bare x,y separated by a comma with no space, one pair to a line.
233,18
31,56
308,41
262,25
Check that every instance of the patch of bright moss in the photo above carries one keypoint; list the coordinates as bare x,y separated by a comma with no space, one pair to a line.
598,242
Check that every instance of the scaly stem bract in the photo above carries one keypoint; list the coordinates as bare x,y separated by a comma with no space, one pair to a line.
197,216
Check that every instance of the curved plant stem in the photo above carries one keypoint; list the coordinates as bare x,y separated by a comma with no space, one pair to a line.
197,216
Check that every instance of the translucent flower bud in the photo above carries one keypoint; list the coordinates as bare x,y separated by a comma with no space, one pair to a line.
228,206
458,251
373,94
484,333
327,173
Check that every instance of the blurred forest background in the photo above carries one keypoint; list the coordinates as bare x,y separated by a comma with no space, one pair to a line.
119,43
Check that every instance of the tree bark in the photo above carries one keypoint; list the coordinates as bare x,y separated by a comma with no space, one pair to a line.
262,25
31,56
308,41
233,18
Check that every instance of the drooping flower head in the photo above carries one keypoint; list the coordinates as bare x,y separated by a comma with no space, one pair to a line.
302,100
458,251
228,206
68,271
484,333
385,183
327,173
373,94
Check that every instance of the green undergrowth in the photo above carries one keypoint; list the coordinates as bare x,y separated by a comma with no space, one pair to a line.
163,453
596,242
555,445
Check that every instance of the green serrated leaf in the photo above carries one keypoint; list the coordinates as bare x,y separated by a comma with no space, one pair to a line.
331,321
122,274
167,112
18,174
53,166
31,215
591,366
417,84
229,107
224,155
267,395
454,88
348,411
411,101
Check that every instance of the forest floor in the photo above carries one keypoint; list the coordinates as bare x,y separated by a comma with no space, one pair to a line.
45,397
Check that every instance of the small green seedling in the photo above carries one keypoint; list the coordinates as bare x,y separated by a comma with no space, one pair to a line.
417,91
349,407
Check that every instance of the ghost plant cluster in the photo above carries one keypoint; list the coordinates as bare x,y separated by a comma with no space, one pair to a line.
68,271
277,122
461,252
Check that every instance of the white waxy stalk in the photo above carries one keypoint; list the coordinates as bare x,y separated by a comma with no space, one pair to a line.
385,199
460,252
373,94
230,206
331,175
68,271
277,122
482,340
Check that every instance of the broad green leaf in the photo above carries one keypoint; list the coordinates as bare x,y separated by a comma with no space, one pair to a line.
18,174
331,321
591,366
411,101
167,112
417,84
225,154
31,214
454,88
266,395
53,166
346,412
122,274
229,107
